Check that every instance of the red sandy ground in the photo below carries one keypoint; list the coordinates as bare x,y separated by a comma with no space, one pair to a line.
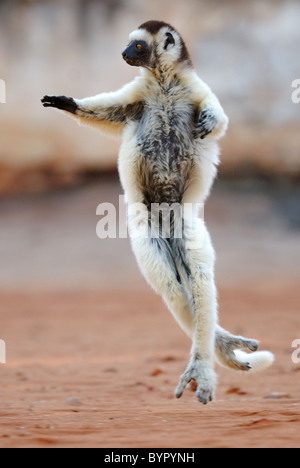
98,368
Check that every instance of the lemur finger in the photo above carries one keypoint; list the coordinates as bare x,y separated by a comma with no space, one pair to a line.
203,118
205,134
45,98
206,125
201,127
199,130
204,115
201,133
49,99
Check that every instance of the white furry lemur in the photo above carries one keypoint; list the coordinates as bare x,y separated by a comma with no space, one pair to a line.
170,123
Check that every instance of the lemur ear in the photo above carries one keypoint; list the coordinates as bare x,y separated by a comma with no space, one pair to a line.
170,40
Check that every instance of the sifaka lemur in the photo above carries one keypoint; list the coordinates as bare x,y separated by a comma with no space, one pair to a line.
170,123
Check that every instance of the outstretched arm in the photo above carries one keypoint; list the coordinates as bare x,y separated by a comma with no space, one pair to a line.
108,111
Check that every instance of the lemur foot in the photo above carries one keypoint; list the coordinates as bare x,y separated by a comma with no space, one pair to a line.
206,125
60,102
225,346
204,376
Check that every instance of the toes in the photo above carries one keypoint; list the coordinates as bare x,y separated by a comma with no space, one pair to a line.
178,392
205,396
245,366
252,345
184,380
205,378
233,363
241,366
243,343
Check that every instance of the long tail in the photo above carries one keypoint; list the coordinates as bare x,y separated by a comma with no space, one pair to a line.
229,354
259,361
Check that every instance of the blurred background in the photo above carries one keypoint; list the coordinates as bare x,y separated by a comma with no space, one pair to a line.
247,51
74,309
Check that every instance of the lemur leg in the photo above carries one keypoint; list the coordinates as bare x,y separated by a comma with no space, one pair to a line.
156,262
199,266
198,245
226,343
197,259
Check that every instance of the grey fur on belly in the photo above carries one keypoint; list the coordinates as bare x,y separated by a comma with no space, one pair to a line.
163,180
166,146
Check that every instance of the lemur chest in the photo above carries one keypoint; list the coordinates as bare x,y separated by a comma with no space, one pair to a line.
165,147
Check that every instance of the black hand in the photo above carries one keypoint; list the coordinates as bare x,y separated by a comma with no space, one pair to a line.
207,124
60,102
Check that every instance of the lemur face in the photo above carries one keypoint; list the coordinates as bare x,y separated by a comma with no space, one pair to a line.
138,53
155,45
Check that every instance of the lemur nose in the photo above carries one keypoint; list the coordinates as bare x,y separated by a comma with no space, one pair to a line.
124,55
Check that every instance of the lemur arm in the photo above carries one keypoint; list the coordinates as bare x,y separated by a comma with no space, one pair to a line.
109,112
212,120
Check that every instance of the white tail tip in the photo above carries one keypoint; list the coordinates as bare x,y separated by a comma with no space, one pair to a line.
259,361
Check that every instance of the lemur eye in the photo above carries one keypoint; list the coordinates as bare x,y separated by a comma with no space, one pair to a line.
139,46
170,40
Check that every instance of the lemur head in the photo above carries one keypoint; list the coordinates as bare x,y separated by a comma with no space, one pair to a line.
156,45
